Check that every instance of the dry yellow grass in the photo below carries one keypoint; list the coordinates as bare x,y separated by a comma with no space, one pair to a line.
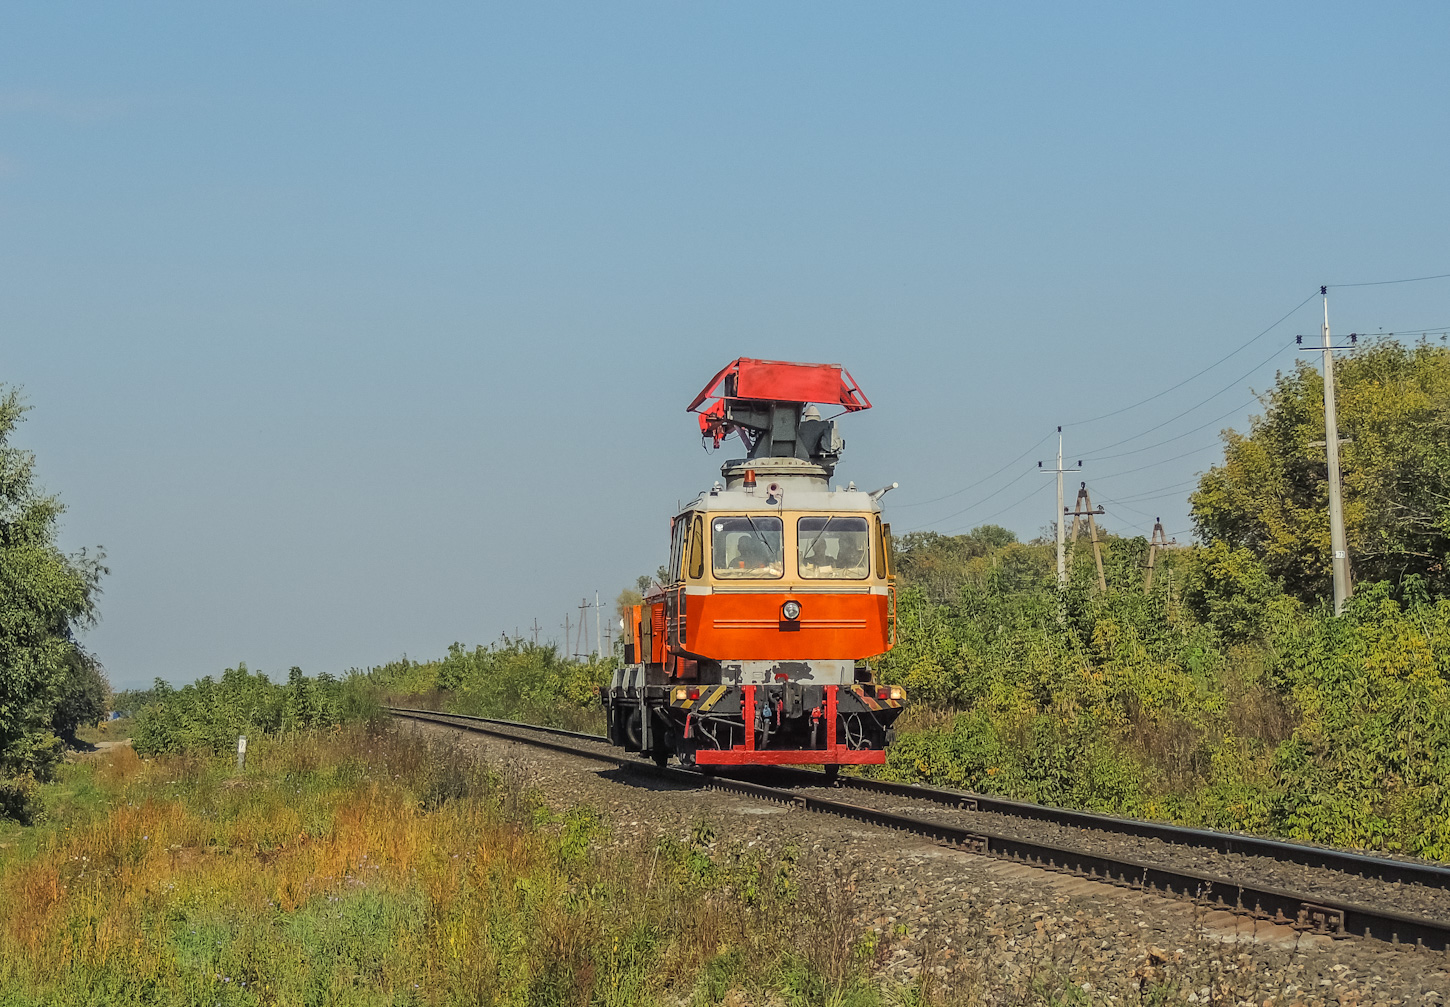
367,866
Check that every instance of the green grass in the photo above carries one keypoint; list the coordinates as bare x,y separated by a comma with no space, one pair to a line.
367,866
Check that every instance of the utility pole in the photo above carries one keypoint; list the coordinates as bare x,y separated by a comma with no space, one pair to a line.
536,628
1159,541
567,638
1083,508
598,637
1061,555
1061,514
581,644
1331,452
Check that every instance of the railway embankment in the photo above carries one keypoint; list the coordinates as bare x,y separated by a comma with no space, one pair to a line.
1004,931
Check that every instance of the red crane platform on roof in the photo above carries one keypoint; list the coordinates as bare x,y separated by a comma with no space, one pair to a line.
747,379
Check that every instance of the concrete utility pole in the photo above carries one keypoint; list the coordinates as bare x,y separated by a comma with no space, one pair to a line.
598,639
1061,555
1159,541
1083,508
1061,514
1331,450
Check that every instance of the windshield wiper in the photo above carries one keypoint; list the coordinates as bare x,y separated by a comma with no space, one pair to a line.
818,535
760,535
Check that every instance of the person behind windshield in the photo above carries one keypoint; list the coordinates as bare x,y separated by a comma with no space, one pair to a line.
849,552
751,554
816,558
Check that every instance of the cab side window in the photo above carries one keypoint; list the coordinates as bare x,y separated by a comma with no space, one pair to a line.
677,538
695,550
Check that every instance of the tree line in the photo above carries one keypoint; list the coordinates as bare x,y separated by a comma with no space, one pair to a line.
1228,695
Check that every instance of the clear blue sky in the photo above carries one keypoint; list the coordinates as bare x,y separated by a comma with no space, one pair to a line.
351,330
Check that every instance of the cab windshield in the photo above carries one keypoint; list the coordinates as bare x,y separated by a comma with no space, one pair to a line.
746,548
834,548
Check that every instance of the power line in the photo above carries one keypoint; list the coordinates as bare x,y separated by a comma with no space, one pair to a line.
1119,503
1149,497
1004,510
1397,332
1161,490
1004,468
1226,388
1382,283
978,503
1176,437
1152,465
1205,370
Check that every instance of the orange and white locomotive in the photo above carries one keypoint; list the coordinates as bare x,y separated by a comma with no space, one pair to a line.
779,589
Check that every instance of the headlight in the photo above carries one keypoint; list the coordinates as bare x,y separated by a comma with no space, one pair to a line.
790,611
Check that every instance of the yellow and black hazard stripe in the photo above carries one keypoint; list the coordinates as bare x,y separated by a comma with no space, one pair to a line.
708,701
872,703
708,697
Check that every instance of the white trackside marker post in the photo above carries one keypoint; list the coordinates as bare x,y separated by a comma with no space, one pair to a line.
241,752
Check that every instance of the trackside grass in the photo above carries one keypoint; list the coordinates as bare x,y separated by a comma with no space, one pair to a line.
367,865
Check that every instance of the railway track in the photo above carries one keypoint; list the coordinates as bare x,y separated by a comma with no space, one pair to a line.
1335,892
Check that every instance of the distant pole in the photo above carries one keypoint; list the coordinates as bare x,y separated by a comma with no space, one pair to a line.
1061,537
1061,515
1331,450
536,628
567,638
598,638
1159,541
1083,508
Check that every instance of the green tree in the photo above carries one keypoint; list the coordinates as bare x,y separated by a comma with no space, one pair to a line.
1270,495
938,563
45,596
1230,590
85,696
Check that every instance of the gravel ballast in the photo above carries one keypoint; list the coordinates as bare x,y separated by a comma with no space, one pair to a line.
1002,928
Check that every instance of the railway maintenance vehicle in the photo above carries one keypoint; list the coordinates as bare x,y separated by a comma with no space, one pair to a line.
754,650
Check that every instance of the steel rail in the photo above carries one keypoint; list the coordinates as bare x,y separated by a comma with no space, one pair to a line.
1312,914
1232,843
1321,857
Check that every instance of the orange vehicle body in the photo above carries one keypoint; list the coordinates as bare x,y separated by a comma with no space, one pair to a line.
753,647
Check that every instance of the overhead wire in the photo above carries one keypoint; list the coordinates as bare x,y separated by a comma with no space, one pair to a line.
1119,503
1020,500
1160,490
1176,437
978,503
1177,494
1234,352
1226,388
1152,398
1384,283
1150,465
986,478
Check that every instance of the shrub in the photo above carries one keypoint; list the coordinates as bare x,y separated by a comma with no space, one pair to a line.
209,715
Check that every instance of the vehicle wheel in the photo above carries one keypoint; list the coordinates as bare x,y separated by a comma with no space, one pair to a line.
661,757
833,773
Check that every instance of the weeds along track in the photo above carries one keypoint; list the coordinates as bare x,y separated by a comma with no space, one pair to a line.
1314,889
